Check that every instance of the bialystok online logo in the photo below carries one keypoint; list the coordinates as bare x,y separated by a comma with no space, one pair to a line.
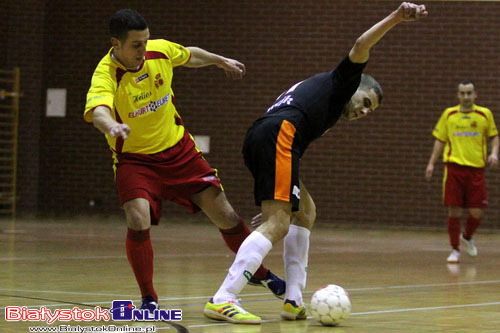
121,311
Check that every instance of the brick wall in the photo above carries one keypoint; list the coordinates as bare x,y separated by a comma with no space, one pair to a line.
365,172
23,30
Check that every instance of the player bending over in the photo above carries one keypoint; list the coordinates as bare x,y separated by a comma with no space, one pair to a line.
272,150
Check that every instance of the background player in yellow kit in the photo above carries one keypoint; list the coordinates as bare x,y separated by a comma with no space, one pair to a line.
463,131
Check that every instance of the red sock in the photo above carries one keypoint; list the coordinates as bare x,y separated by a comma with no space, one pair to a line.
471,226
234,237
454,231
140,256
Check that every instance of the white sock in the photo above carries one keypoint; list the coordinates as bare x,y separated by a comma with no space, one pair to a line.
249,257
296,252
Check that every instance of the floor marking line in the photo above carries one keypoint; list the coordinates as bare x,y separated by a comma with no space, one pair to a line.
259,294
166,299
367,313
425,308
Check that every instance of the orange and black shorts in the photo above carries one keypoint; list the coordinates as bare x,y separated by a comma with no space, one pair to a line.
271,153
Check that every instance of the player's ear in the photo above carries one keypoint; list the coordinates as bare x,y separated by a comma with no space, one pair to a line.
115,42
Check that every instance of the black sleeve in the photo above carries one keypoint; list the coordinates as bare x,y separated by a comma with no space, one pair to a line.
347,70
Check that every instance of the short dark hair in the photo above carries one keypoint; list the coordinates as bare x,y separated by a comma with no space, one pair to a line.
466,82
368,82
125,20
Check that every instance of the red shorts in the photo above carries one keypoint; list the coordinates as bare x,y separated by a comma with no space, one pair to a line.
464,186
175,174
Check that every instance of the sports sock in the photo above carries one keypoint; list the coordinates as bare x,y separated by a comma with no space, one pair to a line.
234,237
454,232
140,255
295,257
470,226
250,255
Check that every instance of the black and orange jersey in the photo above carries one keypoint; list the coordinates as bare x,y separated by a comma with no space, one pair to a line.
314,105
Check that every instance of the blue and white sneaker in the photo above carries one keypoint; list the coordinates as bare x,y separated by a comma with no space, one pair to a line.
149,303
272,282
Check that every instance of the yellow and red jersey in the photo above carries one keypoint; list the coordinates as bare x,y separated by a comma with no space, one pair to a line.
466,135
142,99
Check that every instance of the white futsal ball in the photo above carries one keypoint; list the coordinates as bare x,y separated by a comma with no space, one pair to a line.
330,305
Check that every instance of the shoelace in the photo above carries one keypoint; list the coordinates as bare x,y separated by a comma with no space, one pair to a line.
237,304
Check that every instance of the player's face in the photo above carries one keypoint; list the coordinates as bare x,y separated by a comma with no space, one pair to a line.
466,95
361,104
131,52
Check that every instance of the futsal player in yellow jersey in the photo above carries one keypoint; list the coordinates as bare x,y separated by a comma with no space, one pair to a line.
463,131
131,101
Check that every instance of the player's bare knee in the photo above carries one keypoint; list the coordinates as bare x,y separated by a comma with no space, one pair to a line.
224,218
274,230
454,211
231,218
282,230
136,219
476,213
306,217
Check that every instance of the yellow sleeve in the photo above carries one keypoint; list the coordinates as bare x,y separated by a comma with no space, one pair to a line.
101,93
178,54
492,127
441,130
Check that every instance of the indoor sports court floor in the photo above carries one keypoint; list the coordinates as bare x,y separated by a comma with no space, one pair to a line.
398,280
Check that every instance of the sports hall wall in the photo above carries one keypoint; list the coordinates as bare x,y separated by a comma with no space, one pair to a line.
367,172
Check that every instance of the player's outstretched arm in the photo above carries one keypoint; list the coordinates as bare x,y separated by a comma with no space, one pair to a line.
201,58
406,12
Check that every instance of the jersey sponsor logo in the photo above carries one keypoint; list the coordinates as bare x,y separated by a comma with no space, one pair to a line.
286,100
142,96
158,80
142,77
296,191
466,134
153,106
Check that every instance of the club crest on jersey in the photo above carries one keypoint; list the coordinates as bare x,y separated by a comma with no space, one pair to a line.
142,78
158,80
473,125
